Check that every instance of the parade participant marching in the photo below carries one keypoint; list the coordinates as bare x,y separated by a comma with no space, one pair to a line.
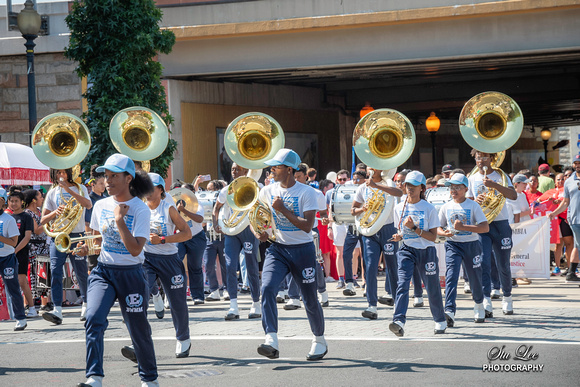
122,220
293,206
244,242
63,193
162,261
463,220
214,249
9,264
499,237
373,245
418,223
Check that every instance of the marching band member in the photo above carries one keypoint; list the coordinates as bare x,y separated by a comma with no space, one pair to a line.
464,219
293,206
162,261
245,242
214,248
499,237
419,222
122,219
9,264
63,190
375,244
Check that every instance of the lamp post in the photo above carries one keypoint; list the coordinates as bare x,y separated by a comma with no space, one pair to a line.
366,109
432,123
29,26
546,134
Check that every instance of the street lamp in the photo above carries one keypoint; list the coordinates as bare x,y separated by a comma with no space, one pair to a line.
432,123
366,109
546,134
29,26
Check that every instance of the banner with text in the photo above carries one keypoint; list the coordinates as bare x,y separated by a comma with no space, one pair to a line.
531,249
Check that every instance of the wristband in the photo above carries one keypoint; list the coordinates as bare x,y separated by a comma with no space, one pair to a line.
162,240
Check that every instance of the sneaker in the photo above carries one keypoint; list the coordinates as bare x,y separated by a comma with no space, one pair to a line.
488,307
92,381
213,296
318,350
479,313
20,325
356,285
255,310
154,383
524,281
418,302
281,296
450,319
198,301
270,346
370,313
226,295
158,306
245,290
324,299
466,288
233,314
84,312
440,327
556,271
329,279
55,316
340,284
349,290
182,348
572,277
292,304
495,294
514,283
564,272
507,305
397,327
166,303
128,352
386,299
48,307
32,313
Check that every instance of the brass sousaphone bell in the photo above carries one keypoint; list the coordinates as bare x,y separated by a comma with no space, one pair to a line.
491,122
139,133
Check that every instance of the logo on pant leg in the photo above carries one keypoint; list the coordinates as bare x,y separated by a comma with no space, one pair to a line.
506,243
177,281
248,247
389,248
134,303
430,268
9,273
309,275
477,261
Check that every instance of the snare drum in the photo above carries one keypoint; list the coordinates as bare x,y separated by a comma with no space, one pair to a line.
341,203
42,266
438,196
207,200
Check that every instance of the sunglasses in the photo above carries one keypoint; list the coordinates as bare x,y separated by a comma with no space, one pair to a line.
343,179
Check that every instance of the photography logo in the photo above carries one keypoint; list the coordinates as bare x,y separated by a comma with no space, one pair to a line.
523,360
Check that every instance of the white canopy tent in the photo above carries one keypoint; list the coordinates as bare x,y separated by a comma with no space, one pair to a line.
19,165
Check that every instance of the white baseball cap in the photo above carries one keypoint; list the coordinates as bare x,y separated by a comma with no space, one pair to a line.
285,157
415,178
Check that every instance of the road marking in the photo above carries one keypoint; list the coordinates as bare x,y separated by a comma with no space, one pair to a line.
309,338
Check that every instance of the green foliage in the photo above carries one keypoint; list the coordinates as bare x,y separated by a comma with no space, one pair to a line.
114,43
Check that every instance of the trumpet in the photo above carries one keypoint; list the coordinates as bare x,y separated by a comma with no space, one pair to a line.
63,243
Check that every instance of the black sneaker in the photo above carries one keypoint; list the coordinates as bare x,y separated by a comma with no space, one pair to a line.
572,277
48,307
129,353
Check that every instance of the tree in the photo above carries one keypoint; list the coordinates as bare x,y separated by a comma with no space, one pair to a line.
114,43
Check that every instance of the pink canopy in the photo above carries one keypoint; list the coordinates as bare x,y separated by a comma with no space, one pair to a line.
19,165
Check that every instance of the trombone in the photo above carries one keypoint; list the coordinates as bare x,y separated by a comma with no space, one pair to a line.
63,242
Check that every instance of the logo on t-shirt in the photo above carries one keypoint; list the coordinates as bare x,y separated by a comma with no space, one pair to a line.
282,223
134,303
308,274
418,218
112,241
463,215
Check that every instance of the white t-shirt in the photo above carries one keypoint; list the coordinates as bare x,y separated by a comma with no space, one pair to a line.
321,200
468,212
520,205
113,250
53,200
424,216
196,227
363,192
299,198
162,225
169,199
476,186
8,229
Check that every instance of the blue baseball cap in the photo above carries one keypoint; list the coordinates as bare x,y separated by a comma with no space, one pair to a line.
456,179
285,157
3,194
415,178
118,163
156,179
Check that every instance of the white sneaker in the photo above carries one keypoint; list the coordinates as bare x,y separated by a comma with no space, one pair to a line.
370,313
226,295
507,305
166,303
32,313
488,307
270,346
213,296
466,288
397,327
450,318
418,302
330,279
84,312
495,294
233,312
154,383
324,299
349,290
292,304
20,325
182,348
94,381
319,348
158,306
479,313
255,310
55,316
440,327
